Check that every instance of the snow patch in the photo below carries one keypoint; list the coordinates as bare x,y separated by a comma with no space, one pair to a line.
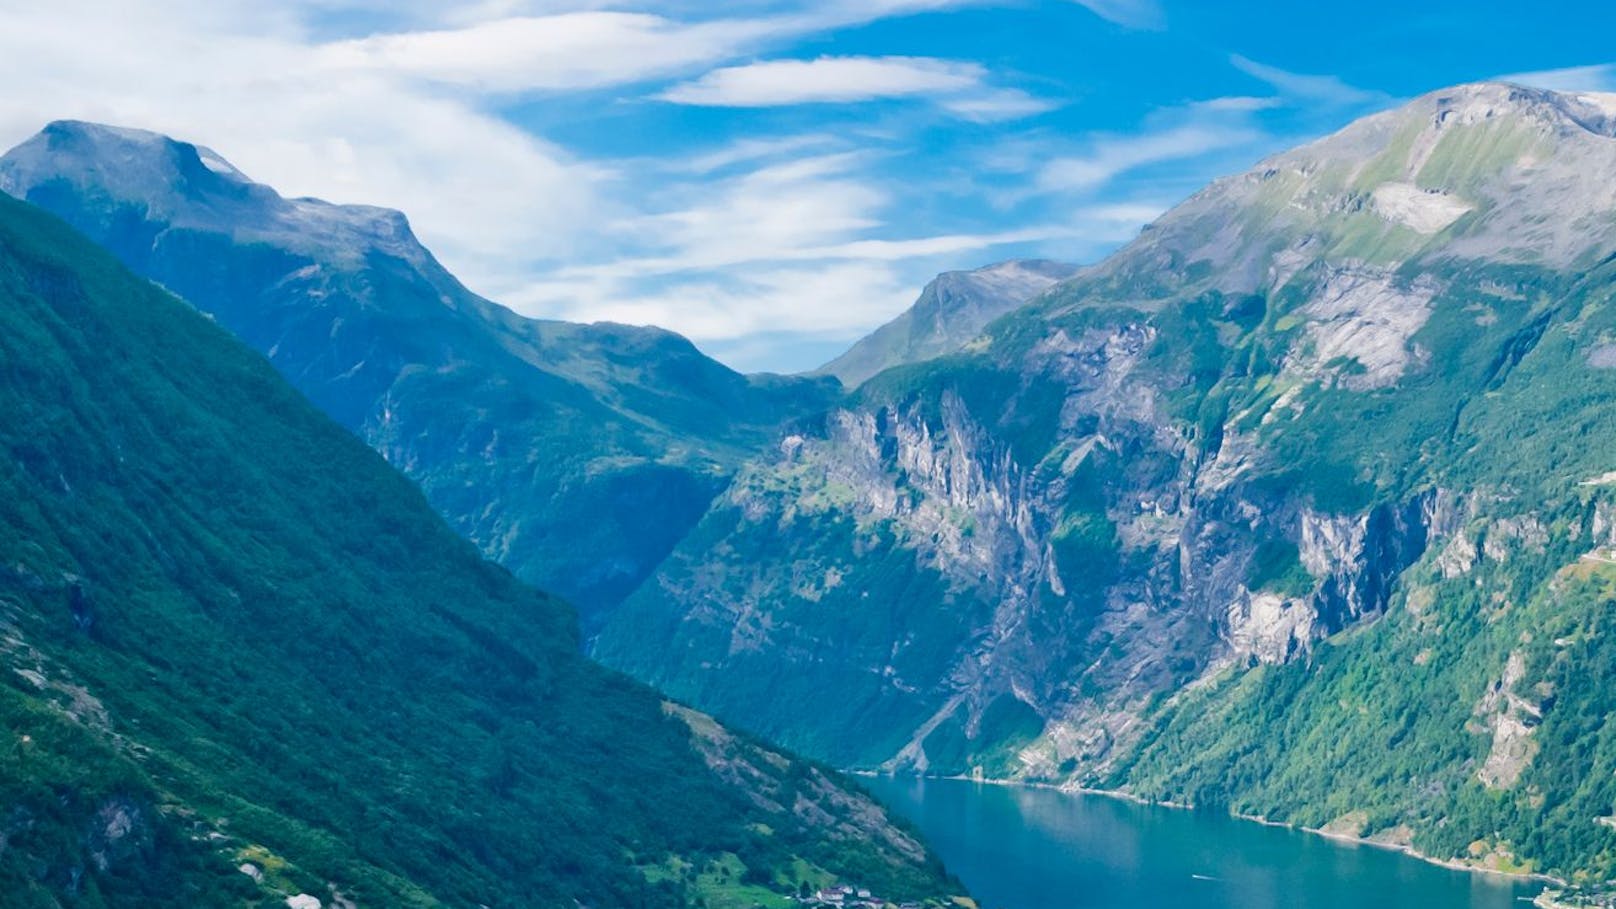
1605,102
212,161
1424,211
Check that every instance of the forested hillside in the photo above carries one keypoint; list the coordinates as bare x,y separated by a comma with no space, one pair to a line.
245,661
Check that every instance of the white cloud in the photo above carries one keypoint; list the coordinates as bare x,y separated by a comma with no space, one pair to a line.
1111,156
1305,87
747,151
830,298
573,50
818,209
1140,14
765,213
1600,77
778,82
959,87
758,302
1237,104
569,46
765,236
996,104
252,86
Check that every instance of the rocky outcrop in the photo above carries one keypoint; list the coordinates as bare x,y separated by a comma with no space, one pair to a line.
1360,328
955,495
1511,716
1270,628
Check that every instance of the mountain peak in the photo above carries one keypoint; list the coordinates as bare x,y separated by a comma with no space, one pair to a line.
128,162
952,309
1504,127
1474,102
90,131
1486,171
191,186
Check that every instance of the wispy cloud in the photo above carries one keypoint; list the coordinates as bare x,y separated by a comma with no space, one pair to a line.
740,231
587,49
1236,104
1142,14
1114,155
742,228
748,151
1599,77
796,309
991,104
1309,88
779,82
581,47
960,87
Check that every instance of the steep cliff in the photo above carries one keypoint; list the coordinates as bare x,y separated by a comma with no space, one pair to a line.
1186,523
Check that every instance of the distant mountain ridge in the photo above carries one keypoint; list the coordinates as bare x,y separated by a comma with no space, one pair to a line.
951,310
575,454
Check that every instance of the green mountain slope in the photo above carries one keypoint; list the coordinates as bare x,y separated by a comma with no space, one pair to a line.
1300,504
244,660
576,455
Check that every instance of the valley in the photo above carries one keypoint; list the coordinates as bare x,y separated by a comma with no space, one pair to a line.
1297,507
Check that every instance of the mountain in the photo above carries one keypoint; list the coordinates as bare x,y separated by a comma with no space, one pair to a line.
576,455
245,664
952,309
1299,505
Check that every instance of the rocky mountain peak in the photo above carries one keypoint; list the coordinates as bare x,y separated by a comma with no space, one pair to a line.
1488,171
127,164
191,186
952,309
1481,101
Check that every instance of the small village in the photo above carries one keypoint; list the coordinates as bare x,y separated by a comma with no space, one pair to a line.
846,897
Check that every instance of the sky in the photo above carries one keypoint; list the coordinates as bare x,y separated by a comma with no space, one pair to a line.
771,178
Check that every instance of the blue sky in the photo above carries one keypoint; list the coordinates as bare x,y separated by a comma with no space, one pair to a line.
772,178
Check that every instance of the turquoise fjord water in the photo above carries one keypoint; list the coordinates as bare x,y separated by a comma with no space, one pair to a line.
1022,848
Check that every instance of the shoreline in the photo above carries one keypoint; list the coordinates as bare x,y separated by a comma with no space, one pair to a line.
1410,851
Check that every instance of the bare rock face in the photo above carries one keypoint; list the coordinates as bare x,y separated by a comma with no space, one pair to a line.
119,830
1512,720
1268,627
1361,325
